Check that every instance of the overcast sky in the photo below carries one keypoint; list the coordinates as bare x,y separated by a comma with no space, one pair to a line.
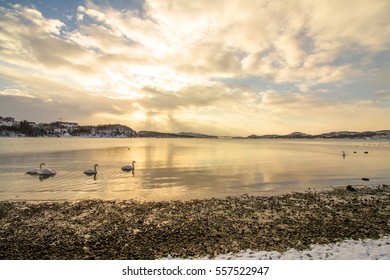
215,67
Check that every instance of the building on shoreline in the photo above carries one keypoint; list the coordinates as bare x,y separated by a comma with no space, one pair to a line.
9,127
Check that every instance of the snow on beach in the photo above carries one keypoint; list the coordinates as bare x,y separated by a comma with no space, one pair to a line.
367,249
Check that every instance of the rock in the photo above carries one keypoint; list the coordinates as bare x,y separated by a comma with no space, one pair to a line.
194,229
351,189
365,179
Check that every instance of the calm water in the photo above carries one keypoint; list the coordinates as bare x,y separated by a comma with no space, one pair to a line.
185,168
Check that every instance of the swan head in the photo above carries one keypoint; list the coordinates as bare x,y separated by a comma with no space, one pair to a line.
42,164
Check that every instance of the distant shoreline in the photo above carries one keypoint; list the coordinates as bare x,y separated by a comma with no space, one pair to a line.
97,229
10,127
190,137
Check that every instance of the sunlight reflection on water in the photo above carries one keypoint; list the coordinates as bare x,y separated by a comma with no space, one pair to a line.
185,168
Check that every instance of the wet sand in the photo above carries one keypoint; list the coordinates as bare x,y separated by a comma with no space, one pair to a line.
96,229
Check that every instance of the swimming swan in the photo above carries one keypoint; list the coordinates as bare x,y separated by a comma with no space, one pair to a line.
34,171
129,167
91,171
46,171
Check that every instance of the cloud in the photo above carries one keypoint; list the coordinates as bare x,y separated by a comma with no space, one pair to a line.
383,94
16,92
284,42
174,64
298,41
316,113
351,22
35,18
29,40
81,108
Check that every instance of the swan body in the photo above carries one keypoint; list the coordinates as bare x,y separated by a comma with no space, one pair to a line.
91,171
34,171
129,167
46,171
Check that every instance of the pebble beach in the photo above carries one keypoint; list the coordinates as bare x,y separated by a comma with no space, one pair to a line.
239,227
362,249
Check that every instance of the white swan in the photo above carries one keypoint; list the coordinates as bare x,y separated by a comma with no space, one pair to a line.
46,171
129,167
34,171
91,171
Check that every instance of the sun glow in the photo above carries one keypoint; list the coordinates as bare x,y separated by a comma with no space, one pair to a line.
139,115
245,68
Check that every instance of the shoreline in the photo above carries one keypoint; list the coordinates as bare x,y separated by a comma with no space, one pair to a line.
199,228
362,249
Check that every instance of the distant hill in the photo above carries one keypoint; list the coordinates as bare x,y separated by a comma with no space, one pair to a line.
9,127
381,134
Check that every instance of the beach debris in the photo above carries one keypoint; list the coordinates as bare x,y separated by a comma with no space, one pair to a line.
366,152
365,179
99,229
351,189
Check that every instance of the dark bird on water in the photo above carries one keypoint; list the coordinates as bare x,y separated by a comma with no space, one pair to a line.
129,167
91,171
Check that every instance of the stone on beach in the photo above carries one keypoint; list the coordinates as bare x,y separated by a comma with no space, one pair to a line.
96,229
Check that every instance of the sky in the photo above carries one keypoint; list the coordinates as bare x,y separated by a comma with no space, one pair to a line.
221,67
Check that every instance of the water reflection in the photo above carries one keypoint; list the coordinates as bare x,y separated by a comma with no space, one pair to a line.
186,168
45,176
41,177
93,175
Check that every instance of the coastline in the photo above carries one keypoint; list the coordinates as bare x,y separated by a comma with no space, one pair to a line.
207,228
362,249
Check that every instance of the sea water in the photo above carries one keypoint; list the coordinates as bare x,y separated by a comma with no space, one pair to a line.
170,169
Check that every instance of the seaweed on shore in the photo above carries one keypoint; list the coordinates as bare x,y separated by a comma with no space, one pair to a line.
97,229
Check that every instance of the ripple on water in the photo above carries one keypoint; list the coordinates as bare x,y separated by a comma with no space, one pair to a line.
170,168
